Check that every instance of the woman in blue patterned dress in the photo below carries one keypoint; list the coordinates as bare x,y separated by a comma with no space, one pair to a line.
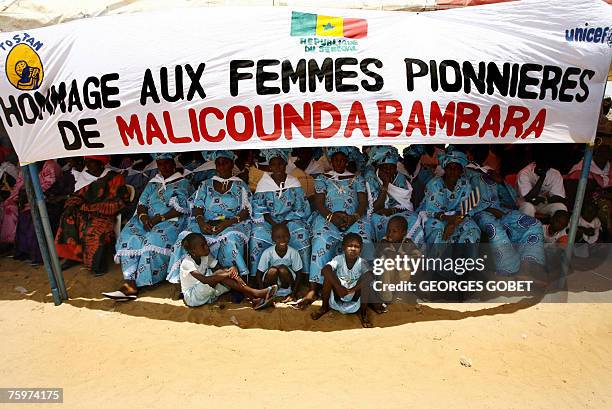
418,175
516,239
389,194
446,204
145,243
222,212
279,198
341,205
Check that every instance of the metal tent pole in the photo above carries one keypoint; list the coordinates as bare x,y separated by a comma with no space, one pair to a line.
48,234
40,236
582,184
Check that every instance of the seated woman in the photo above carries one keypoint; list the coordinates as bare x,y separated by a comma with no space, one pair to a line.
222,212
446,204
517,240
341,205
417,174
86,230
16,211
279,199
26,242
389,194
145,243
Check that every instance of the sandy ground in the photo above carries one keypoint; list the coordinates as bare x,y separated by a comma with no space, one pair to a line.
156,353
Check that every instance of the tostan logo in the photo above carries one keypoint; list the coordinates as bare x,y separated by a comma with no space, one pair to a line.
23,68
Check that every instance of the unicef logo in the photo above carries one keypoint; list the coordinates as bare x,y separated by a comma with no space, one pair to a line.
23,68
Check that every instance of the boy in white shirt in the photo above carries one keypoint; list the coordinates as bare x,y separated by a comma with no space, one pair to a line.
201,284
280,264
541,187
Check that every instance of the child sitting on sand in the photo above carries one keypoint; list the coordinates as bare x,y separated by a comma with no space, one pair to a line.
556,231
396,243
345,280
280,264
203,281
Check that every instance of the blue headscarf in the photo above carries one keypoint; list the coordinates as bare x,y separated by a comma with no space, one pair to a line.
332,150
268,154
163,156
213,155
453,156
380,155
416,151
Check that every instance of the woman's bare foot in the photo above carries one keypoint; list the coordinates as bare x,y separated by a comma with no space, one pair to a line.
315,315
363,317
308,299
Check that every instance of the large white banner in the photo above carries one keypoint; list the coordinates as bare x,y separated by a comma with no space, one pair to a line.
211,78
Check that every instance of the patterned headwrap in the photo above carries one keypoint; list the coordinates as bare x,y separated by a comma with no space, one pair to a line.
268,154
416,151
163,156
453,156
213,155
380,155
332,150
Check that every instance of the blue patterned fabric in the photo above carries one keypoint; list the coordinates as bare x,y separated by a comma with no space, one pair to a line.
340,196
332,150
379,155
288,205
144,255
379,222
452,156
414,150
348,278
268,154
228,246
213,155
514,237
163,156
438,198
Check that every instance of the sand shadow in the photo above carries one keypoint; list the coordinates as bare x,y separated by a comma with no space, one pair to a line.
21,281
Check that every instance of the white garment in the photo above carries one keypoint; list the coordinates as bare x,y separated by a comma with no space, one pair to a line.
9,168
401,195
84,178
333,175
595,170
163,182
552,186
316,167
267,184
188,265
544,208
594,224
475,166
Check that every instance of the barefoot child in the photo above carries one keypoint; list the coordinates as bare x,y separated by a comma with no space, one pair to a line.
345,281
280,264
201,284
